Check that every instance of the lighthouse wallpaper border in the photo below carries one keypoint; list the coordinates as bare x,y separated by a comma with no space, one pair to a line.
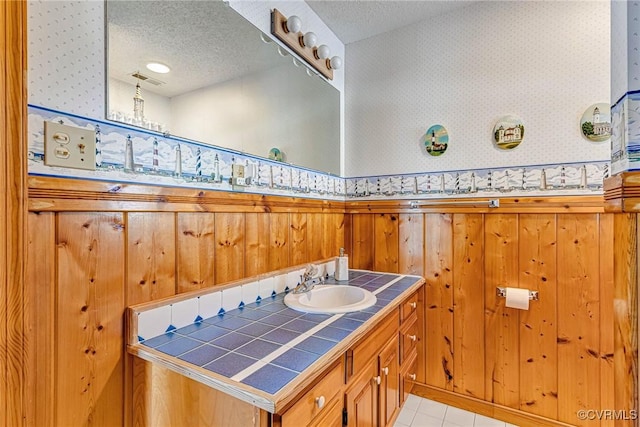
436,140
508,132
595,123
126,154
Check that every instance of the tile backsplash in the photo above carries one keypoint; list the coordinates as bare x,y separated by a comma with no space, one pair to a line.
160,159
156,321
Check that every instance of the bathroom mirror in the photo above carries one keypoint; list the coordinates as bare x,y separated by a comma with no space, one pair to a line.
229,85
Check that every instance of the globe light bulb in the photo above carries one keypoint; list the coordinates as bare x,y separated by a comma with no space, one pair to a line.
293,24
323,51
310,39
336,63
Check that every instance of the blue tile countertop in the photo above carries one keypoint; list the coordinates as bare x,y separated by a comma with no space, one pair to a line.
255,351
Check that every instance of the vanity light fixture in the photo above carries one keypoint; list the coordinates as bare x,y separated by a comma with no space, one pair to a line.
158,67
323,51
293,24
288,31
310,39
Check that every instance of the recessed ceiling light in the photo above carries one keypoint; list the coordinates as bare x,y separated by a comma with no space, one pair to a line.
157,67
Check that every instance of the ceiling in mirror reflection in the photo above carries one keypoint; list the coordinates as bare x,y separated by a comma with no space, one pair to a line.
226,87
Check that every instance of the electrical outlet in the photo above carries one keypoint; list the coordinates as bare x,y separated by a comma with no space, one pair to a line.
239,181
69,146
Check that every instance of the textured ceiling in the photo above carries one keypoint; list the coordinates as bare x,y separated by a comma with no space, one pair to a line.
203,42
354,20
207,42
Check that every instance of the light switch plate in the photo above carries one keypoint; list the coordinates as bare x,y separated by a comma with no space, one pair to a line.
237,171
69,146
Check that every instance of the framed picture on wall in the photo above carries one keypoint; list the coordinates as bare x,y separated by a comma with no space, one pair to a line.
595,123
436,140
508,132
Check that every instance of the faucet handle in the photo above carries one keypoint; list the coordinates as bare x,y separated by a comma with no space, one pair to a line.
310,271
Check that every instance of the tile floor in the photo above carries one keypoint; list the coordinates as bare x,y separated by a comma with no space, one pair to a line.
420,412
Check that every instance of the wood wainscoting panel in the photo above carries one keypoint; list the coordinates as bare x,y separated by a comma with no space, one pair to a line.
257,237
578,316
230,247
151,256
362,241
40,300
298,240
325,235
468,304
89,325
315,228
279,241
13,212
195,241
333,234
606,245
439,300
411,250
532,363
538,325
502,351
625,314
386,240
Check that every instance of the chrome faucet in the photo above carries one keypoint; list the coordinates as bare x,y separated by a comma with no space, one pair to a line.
307,281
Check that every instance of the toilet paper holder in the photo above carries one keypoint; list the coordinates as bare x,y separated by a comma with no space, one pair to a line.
502,292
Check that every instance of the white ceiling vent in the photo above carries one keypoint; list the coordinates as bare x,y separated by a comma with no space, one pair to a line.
139,76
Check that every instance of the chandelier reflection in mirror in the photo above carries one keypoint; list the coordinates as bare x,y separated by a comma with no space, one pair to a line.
288,31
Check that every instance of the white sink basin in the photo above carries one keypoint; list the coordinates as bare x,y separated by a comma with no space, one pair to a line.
331,299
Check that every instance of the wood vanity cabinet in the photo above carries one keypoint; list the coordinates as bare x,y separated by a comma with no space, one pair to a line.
372,396
366,387
321,404
389,382
411,333
362,386
381,368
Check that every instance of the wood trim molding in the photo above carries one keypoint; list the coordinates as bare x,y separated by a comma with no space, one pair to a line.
487,409
622,192
47,194
63,194
553,204
13,149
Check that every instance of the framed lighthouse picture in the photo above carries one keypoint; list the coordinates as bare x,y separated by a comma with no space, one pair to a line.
596,123
508,132
436,140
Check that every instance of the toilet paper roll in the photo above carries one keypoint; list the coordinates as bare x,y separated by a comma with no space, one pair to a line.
517,298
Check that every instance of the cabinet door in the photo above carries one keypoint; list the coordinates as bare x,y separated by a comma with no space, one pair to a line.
390,382
361,399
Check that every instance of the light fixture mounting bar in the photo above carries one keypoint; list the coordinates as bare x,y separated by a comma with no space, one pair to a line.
292,40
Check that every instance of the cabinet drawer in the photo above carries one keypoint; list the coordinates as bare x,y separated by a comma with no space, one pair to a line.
408,376
358,357
409,306
408,338
318,399
332,416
